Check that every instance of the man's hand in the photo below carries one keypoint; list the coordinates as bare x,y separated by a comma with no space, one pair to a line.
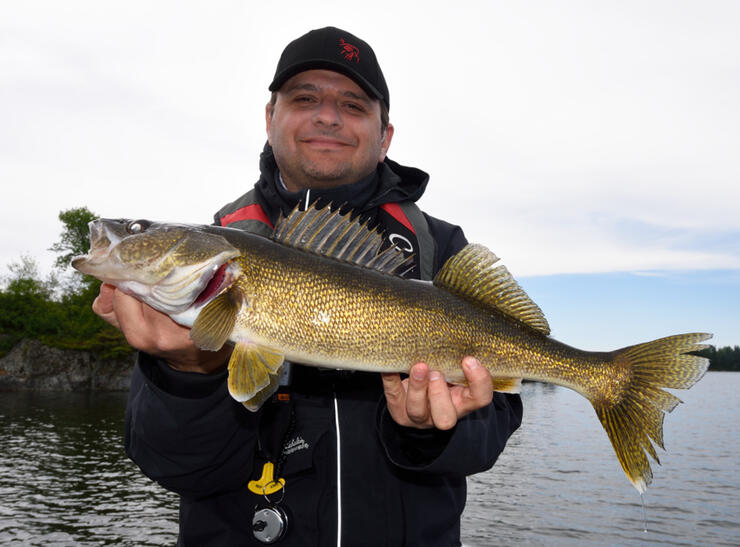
153,332
425,400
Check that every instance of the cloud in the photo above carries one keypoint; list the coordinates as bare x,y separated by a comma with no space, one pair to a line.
580,137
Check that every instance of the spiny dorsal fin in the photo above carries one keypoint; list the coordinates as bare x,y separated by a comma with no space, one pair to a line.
471,275
339,236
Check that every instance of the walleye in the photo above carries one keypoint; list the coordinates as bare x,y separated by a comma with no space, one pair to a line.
324,291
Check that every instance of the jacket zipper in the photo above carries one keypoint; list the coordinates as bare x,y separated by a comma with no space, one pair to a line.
339,472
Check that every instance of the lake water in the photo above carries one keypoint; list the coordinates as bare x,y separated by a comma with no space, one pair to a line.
64,479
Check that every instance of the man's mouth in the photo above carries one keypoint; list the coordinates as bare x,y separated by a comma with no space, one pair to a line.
325,142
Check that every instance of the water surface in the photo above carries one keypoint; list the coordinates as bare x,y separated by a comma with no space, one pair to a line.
559,483
64,479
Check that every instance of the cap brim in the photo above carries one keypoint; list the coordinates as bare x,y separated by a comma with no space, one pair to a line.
287,73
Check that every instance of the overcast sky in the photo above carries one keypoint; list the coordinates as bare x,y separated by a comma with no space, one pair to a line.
569,137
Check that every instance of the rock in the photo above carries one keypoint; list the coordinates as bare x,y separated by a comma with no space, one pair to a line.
32,366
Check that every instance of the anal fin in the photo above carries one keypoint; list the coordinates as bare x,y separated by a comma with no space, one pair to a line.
507,385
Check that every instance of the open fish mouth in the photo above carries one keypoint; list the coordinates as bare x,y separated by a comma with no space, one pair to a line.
105,234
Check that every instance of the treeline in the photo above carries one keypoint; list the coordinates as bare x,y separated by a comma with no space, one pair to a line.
725,358
57,309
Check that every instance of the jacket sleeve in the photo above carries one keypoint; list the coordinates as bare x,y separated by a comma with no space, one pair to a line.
185,432
475,443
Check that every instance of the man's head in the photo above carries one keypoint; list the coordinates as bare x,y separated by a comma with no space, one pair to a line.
337,50
327,119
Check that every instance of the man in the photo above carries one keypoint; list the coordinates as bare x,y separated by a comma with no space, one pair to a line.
367,459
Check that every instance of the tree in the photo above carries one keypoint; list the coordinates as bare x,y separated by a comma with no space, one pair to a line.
57,314
26,304
75,238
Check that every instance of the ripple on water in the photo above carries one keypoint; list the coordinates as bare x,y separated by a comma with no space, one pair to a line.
65,479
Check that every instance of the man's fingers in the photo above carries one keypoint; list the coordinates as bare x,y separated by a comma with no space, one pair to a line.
395,397
394,393
417,401
426,400
480,384
103,305
131,318
442,410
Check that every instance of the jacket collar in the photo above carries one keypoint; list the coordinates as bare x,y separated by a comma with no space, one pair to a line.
390,182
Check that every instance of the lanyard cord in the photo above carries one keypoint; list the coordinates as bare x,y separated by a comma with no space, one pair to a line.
287,438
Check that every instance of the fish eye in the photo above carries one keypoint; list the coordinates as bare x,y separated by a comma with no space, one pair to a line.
137,226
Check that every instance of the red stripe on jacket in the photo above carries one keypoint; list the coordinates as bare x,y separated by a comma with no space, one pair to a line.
249,212
394,209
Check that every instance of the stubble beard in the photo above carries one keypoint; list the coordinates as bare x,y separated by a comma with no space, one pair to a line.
306,173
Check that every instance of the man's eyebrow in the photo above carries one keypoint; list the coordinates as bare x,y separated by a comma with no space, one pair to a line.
313,87
352,95
304,87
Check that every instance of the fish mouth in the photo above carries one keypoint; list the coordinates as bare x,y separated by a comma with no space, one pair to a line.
105,234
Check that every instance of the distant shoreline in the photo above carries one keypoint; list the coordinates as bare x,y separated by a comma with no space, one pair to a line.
34,366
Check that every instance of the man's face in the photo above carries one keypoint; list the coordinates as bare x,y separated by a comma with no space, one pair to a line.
325,131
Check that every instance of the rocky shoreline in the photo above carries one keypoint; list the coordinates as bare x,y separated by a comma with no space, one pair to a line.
32,366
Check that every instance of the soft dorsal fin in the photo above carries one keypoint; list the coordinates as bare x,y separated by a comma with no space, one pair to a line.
471,275
335,235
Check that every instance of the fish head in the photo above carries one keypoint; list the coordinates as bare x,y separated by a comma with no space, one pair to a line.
168,266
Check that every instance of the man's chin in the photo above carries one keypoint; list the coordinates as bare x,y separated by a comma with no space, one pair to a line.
327,176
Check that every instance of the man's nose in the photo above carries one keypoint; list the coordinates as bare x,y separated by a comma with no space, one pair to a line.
327,113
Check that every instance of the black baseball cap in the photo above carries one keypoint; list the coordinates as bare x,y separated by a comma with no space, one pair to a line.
334,49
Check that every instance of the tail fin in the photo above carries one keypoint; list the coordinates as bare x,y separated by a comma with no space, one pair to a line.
638,416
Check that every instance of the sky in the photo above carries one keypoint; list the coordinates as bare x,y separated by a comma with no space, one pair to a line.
592,145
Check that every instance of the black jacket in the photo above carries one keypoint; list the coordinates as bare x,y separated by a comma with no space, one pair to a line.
399,486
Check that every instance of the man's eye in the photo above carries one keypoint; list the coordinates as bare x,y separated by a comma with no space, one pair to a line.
354,106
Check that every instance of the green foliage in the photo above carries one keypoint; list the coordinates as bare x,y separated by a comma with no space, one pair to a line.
25,301
75,238
59,316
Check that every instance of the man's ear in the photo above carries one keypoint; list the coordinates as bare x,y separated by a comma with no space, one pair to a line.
268,120
386,142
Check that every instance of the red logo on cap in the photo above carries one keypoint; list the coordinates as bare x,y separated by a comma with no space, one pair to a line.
349,51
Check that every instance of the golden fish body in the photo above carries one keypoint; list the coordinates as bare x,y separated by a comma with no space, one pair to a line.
339,315
323,293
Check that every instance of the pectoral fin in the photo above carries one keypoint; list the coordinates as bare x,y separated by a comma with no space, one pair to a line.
254,371
215,321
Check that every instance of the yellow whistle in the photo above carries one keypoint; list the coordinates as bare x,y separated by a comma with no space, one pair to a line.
266,484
